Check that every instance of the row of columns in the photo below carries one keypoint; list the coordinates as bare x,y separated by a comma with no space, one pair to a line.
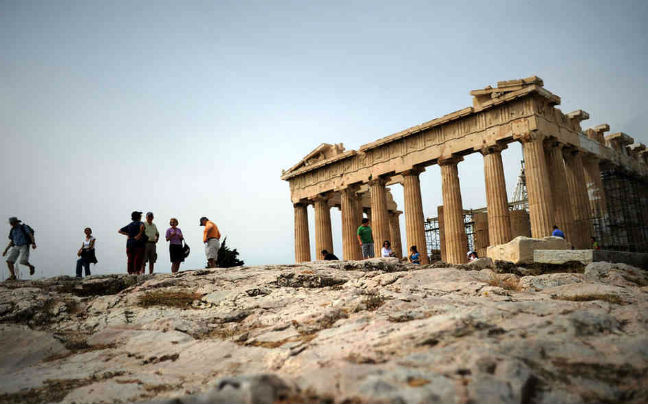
564,188
559,186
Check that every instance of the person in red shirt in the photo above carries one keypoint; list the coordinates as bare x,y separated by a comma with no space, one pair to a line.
211,238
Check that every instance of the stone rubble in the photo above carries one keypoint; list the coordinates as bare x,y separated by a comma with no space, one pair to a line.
355,332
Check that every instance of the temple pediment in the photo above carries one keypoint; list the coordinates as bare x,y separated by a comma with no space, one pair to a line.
321,153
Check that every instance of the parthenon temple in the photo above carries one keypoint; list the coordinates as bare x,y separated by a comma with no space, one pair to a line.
585,182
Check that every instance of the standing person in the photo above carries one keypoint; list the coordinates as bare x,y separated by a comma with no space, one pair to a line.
21,236
87,254
174,237
211,238
135,242
557,232
472,256
386,250
152,237
595,245
365,239
414,257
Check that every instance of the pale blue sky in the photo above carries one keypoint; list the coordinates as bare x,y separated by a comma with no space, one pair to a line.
193,108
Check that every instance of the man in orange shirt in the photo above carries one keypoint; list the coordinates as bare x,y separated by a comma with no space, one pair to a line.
211,238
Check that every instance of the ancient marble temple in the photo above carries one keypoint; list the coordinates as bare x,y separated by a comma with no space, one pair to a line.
563,166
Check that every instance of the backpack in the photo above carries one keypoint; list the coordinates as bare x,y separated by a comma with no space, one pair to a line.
186,250
26,229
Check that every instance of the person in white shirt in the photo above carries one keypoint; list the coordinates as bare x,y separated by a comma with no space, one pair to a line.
386,250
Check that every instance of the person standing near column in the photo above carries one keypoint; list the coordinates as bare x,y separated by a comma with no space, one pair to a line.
20,236
152,235
211,238
86,254
175,238
365,239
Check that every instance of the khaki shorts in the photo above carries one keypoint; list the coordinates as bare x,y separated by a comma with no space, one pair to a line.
211,248
15,251
149,253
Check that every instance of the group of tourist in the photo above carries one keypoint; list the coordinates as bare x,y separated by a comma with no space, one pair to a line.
365,238
140,245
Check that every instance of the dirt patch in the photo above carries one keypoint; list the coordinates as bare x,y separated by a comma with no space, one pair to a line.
614,299
305,280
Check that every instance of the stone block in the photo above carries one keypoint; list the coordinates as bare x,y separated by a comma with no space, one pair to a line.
520,250
563,256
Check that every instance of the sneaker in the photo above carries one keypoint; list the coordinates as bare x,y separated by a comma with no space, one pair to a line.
12,278
32,270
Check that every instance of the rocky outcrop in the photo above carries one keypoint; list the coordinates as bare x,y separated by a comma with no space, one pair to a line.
356,332
520,250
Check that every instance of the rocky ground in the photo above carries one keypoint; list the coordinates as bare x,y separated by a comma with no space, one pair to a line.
343,332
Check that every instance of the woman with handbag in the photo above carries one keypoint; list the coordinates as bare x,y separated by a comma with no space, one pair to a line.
86,254
175,239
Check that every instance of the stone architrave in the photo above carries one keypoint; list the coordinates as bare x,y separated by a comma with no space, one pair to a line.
538,187
379,214
563,214
395,233
348,205
323,234
594,185
499,221
302,237
442,248
414,220
578,196
455,230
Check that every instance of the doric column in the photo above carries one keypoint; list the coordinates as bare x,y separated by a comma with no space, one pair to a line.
414,220
350,223
480,233
455,230
594,185
379,214
575,176
538,187
323,234
395,233
499,220
302,238
563,214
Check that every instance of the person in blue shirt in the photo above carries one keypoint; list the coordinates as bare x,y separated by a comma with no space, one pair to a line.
414,257
557,232
21,237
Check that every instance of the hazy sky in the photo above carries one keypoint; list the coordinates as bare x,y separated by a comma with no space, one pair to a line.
193,108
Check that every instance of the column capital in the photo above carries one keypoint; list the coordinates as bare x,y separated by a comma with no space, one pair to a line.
530,137
492,148
396,212
412,171
321,197
568,151
303,202
453,160
378,180
551,143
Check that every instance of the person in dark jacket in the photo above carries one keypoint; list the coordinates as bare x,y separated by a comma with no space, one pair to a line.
329,256
135,243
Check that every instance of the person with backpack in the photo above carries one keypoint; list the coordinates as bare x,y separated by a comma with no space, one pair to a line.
175,239
21,236
135,243
86,254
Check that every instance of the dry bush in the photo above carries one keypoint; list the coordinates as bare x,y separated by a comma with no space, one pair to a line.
181,299
504,281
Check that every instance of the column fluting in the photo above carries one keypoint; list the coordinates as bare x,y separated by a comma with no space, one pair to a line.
395,233
350,223
302,236
563,215
414,220
538,187
454,228
379,215
575,175
499,220
323,234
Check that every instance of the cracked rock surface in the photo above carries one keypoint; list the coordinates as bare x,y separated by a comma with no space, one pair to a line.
344,332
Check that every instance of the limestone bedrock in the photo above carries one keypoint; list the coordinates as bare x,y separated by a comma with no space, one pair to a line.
356,331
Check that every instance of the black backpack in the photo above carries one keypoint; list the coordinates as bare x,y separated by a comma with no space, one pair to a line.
26,229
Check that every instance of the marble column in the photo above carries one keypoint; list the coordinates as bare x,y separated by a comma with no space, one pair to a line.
455,230
594,185
538,186
499,220
379,215
575,175
414,220
563,215
302,238
323,234
395,233
481,235
350,250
